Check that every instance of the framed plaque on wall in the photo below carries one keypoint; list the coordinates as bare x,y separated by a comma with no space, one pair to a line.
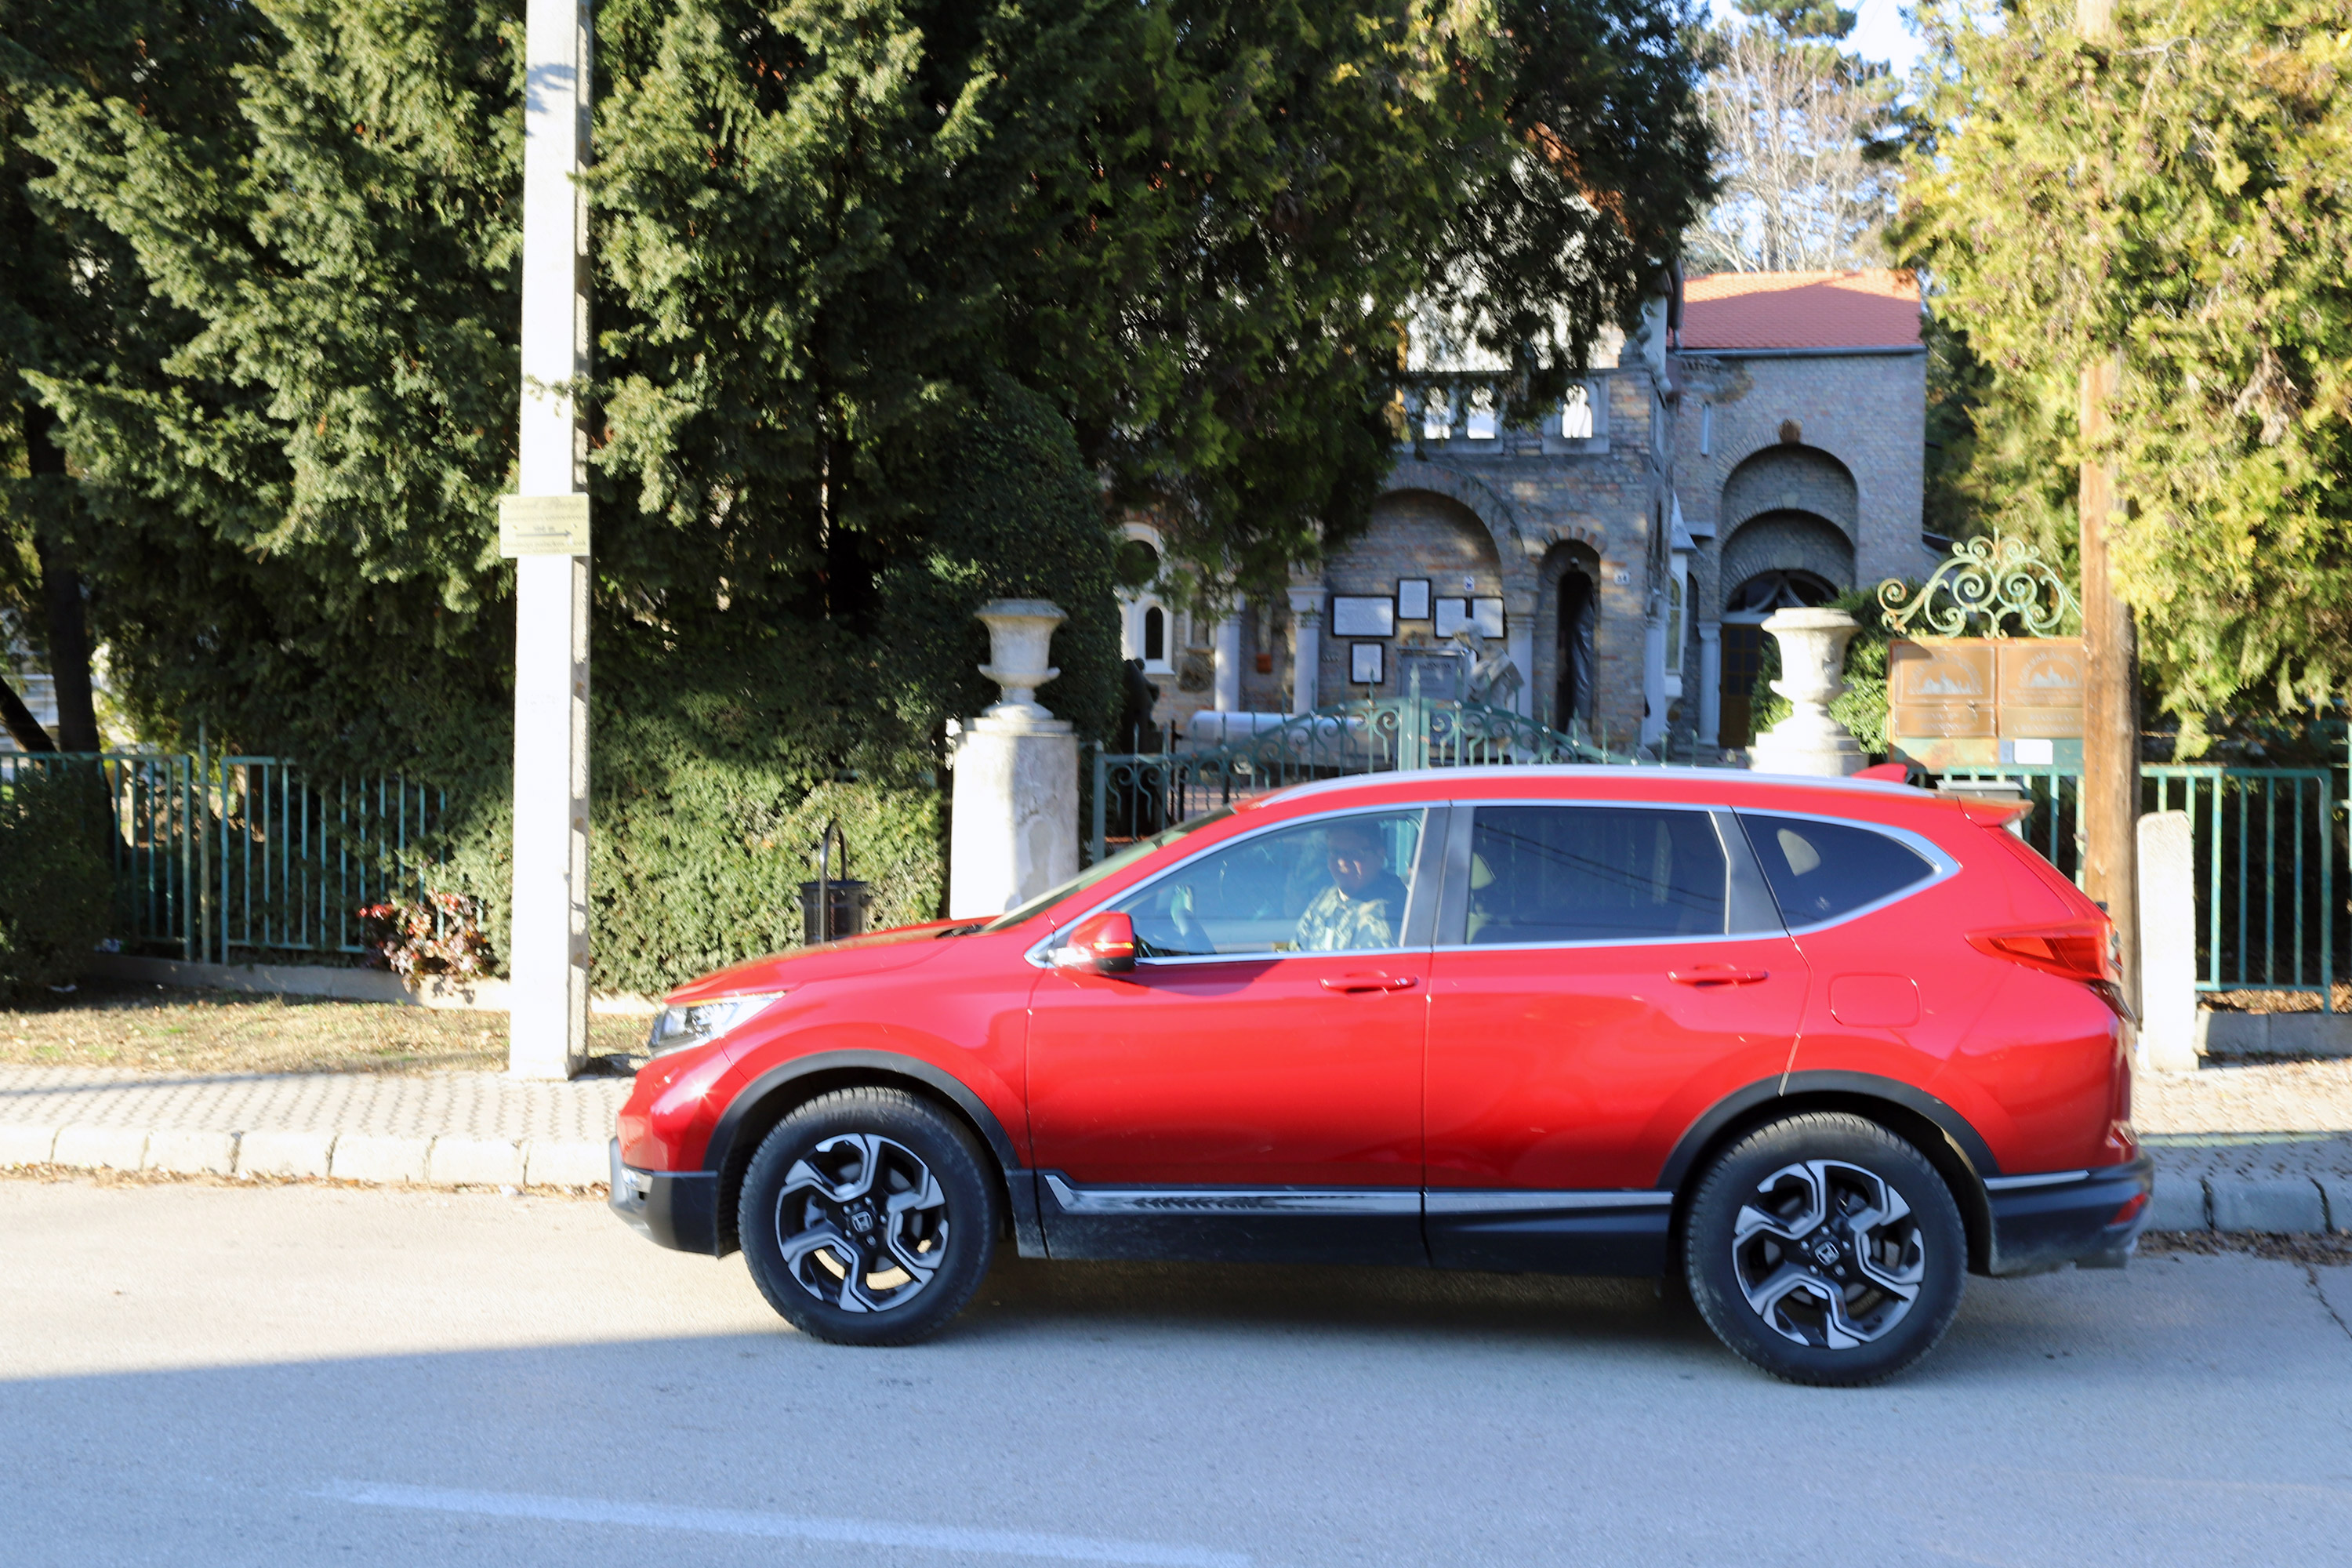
1363,615
1365,663
1413,598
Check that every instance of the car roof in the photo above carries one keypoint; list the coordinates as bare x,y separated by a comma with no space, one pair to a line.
1533,772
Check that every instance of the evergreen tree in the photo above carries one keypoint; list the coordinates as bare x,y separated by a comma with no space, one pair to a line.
72,300
2180,193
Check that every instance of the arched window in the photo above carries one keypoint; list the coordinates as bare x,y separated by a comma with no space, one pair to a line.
1155,634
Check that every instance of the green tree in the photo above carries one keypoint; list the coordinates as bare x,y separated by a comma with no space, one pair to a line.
2180,193
73,301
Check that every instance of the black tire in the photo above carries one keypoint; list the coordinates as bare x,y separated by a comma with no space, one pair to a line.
1767,1288
932,1210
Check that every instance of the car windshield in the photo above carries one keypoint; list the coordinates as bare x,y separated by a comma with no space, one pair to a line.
1096,873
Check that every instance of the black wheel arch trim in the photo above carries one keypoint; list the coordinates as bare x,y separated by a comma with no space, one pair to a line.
1019,1183
722,1137
1742,1103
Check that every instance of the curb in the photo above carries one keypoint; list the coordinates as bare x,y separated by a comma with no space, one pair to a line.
345,1156
2290,1206
2275,1205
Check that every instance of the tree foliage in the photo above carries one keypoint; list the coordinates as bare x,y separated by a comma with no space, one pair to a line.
2180,196
1802,131
896,302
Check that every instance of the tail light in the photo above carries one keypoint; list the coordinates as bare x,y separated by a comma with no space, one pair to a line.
2130,1211
2077,950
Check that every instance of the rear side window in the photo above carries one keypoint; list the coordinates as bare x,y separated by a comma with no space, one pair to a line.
1821,871
1550,874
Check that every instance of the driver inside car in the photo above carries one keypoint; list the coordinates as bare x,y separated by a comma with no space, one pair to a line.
1364,905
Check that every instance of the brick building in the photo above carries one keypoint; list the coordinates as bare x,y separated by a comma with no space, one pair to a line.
1759,442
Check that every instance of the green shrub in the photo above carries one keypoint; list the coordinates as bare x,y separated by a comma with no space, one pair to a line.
1862,706
57,884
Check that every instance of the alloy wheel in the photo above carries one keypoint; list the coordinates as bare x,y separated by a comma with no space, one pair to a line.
862,1223
1828,1254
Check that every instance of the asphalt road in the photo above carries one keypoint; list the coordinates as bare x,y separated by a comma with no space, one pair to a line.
301,1374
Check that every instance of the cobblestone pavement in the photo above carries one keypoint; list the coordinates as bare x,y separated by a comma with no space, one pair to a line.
460,1104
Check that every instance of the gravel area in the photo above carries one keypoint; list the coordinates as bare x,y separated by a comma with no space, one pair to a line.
166,1029
2256,1119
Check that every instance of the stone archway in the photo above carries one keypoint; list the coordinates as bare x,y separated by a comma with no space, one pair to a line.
1567,635
1774,559
1791,478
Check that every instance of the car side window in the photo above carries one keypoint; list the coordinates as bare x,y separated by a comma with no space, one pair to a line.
1331,885
1578,873
1821,871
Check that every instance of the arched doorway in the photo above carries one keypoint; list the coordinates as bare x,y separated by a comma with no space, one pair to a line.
1744,610
1577,693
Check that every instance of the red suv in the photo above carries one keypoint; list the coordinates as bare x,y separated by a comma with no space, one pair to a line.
1822,1047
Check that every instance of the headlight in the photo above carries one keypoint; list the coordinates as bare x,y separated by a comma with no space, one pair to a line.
699,1023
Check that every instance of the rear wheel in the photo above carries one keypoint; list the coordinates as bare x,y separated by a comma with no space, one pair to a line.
867,1218
1826,1250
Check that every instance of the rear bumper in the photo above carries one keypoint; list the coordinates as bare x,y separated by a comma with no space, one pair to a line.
2045,1221
678,1209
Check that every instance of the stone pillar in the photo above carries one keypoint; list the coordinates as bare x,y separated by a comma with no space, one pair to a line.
545,529
1710,684
1519,644
1226,687
1653,673
1015,824
2168,943
1306,646
1812,673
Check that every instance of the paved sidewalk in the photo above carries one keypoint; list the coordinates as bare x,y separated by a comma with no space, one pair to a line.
2248,1147
449,1129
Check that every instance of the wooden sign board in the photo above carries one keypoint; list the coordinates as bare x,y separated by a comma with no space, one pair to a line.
1985,702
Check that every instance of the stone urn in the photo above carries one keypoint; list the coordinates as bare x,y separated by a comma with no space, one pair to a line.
1813,674
1020,640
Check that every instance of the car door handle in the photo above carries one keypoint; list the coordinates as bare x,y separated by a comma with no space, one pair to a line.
1352,983
1717,974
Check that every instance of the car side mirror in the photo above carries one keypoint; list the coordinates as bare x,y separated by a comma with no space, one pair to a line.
1103,944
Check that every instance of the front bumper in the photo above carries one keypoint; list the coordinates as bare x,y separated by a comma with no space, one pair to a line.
2044,1223
678,1209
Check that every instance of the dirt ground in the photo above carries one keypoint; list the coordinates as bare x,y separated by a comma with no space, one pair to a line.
157,1028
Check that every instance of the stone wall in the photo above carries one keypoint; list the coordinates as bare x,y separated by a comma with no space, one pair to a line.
1867,412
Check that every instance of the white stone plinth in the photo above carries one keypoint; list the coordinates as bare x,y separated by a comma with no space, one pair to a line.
1306,645
1017,812
1813,674
2168,943
1015,826
1225,686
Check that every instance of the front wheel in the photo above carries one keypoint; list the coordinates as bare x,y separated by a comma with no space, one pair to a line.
1825,1250
867,1218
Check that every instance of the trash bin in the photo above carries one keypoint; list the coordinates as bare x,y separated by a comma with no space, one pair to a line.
845,916
832,907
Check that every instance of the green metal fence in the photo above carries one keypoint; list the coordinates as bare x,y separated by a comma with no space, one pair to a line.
2270,854
1138,794
214,856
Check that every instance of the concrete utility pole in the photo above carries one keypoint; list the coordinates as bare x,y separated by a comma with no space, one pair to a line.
2110,799
545,530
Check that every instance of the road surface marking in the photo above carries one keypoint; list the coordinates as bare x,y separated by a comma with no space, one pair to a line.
780,1526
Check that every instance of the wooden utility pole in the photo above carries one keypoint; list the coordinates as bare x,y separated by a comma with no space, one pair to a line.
2110,797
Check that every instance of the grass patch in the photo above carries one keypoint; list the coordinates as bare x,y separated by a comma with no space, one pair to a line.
167,1029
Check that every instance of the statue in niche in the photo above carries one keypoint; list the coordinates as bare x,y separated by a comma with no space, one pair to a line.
1494,681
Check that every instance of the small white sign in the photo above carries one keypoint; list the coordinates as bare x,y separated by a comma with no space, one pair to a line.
1365,663
542,525
2032,752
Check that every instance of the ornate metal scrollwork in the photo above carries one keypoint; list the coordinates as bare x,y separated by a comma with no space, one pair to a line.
1986,582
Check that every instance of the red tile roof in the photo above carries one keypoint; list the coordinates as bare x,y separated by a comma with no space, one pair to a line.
1876,309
